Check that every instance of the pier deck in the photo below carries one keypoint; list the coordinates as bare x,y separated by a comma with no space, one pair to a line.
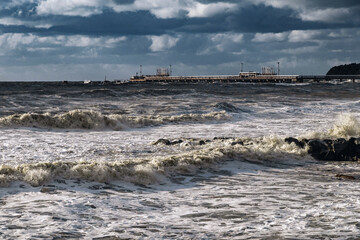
251,79
210,79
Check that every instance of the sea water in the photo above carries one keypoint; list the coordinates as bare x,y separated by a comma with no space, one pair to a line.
175,161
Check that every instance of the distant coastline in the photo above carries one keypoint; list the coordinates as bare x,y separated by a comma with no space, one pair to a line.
346,69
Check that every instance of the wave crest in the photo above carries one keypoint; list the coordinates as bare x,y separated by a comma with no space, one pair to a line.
80,119
269,151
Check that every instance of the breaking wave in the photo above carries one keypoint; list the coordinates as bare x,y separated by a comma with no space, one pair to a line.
80,119
269,151
345,126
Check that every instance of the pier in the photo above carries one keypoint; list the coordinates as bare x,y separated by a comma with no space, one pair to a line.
246,78
267,75
318,78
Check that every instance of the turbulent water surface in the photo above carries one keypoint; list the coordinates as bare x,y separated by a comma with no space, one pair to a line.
175,161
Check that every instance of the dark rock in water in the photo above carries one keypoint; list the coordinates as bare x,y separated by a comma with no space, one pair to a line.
49,190
345,177
91,206
237,143
176,142
320,150
344,149
294,140
330,150
107,238
162,141
221,138
167,142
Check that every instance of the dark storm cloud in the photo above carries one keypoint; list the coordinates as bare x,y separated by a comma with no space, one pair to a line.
248,18
256,19
332,3
111,23
123,2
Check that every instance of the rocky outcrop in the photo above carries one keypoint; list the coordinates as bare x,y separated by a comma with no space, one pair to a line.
330,150
321,149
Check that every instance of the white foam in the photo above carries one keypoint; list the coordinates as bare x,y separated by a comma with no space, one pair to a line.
249,200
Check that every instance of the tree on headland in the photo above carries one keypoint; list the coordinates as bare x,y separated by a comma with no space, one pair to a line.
347,69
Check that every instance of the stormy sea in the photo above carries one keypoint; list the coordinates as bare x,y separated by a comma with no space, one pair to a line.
179,161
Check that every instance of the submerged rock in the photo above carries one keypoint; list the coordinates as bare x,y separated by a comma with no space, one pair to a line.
167,142
48,189
330,150
345,177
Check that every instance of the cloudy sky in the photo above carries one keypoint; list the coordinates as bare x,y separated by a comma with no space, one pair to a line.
88,39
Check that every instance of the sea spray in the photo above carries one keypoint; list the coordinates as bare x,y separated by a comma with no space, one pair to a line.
345,126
